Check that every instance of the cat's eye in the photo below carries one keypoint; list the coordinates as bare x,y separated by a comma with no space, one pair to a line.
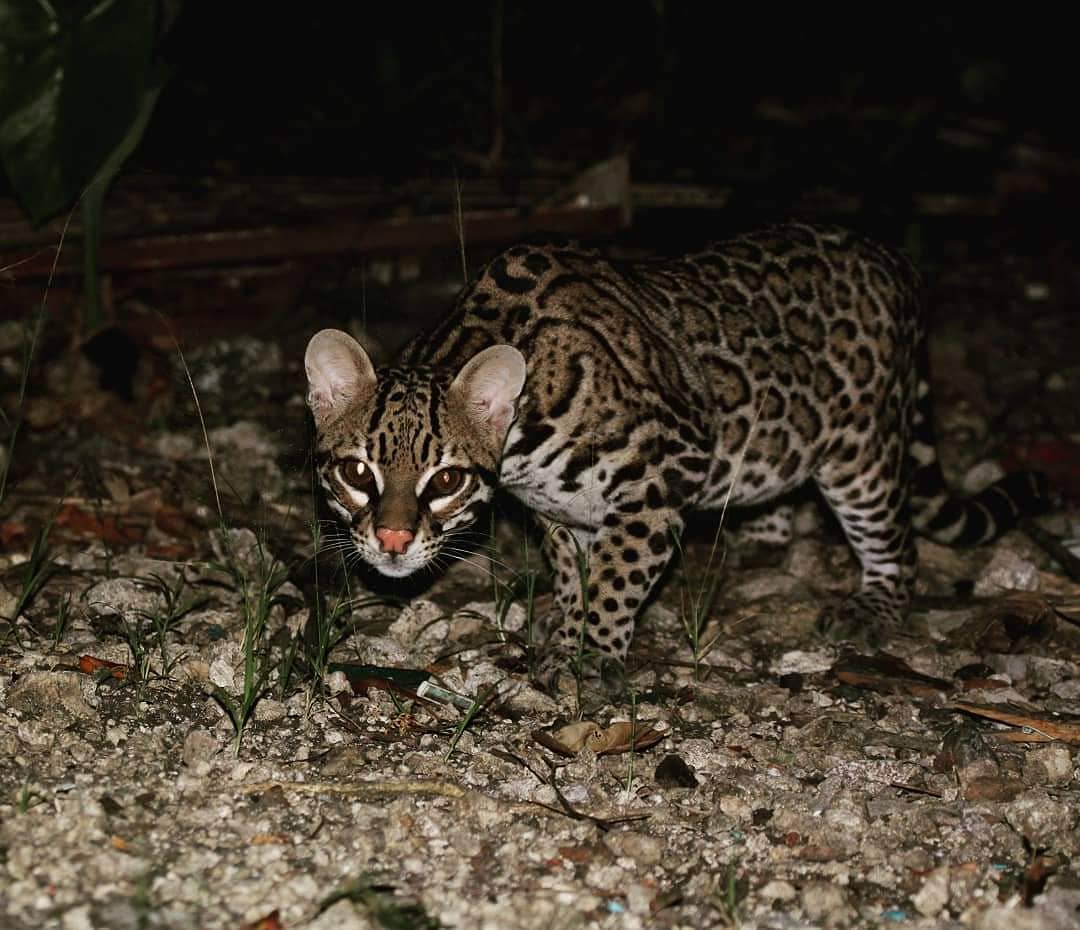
445,481
357,474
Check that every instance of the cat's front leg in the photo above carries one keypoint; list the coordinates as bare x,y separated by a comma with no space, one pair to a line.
602,579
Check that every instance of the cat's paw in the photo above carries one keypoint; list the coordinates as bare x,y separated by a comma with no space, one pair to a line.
593,674
861,621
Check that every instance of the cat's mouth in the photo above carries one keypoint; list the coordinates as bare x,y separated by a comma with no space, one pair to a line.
395,564
398,566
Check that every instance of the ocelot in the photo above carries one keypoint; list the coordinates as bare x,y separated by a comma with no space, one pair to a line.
612,396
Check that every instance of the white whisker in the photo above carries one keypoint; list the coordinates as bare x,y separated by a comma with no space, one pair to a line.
472,556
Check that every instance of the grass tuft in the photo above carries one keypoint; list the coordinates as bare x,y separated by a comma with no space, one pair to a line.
38,569
258,597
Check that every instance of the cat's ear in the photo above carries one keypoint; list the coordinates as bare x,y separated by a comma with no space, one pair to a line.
489,385
338,372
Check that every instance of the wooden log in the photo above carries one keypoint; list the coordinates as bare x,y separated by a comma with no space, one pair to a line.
284,243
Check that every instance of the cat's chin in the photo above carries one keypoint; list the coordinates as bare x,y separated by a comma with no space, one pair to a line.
397,569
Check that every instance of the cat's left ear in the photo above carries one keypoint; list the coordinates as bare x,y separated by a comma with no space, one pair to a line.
490,384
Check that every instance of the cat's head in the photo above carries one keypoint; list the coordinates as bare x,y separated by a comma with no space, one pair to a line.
408,456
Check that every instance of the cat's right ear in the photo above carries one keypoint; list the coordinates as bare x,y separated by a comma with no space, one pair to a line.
338,372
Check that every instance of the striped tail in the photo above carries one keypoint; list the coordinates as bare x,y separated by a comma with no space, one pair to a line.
970,521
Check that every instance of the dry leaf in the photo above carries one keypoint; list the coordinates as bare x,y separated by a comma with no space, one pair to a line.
91,664
623,737
887,674
1039,728
619,737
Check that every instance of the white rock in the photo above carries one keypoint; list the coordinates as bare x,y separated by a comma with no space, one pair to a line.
777,890
737,809
933,897
1067,690
244,436
1052,762
269,709
49,693
512,619
8,600
1042,820
639,899
1056,382
1036,290
421,622
766,582
804,661
227,658
175,446
1007,571
980,476
78,918
338,683
199,747
827,903
643,849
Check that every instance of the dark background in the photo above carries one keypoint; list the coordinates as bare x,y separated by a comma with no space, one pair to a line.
392,88
951,134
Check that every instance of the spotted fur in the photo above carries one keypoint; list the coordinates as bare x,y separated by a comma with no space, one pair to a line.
732,375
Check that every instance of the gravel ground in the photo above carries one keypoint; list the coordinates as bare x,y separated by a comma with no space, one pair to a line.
790,784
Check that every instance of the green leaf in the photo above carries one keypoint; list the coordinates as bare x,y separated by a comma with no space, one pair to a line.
72,76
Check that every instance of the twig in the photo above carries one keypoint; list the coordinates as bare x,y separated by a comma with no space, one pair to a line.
198,410
30,348
567,809
459,224
915,789
369,790
374,791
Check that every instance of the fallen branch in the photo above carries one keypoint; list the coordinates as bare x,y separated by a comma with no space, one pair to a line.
288,243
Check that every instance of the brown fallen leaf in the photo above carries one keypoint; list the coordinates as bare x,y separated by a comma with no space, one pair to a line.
992,788
888,674
107,528
623,737
576,854
91,664
567,741
617,738
11,534
171,552
575,736
175,522
1038,727
982,684
269,839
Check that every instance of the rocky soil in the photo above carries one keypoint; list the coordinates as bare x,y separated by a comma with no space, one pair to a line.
198,728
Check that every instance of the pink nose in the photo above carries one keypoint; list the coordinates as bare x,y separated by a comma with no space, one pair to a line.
393,540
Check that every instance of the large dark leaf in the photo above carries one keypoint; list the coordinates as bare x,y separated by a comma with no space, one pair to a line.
72,74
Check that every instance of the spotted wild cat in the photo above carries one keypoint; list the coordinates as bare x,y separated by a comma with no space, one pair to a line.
611,397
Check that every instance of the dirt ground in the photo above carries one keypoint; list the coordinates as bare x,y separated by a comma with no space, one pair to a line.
197,728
